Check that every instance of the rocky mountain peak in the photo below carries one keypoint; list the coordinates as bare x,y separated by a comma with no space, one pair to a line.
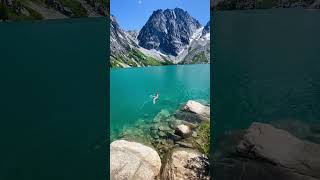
169,36
206,29
133,33
120,42
168,31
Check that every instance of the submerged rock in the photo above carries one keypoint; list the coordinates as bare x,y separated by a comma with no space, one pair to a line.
263,141
164,128
197,108
174,123
162,115
185,163
183,130
190,125
162,134
193,112
267,153
131,160
154,134
174,137
190,117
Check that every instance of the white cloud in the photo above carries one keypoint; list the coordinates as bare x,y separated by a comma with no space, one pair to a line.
140,2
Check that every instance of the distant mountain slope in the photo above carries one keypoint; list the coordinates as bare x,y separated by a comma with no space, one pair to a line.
169,36
125,51
199,48
21,10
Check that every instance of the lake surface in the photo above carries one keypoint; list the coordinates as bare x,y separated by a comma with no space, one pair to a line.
266,67
53,99
131,90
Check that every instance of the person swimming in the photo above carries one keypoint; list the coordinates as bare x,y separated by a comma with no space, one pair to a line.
155,98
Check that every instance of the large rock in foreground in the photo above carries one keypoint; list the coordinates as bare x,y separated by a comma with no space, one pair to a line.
263,141
134,161
198,108
194,111
184,163
266,153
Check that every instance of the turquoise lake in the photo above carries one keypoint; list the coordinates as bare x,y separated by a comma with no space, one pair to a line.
53,99
131,91
266,69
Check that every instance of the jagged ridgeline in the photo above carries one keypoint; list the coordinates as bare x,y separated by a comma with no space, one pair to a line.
169,36
20,10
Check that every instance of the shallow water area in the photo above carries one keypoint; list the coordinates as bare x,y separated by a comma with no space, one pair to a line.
131,92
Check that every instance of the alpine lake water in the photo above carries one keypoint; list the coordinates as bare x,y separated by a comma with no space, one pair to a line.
131,91
53,90
266,69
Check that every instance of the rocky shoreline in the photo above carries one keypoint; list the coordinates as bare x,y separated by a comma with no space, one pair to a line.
172,146
279,150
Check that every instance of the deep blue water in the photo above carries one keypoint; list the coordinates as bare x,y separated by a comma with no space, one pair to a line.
53,99
266,67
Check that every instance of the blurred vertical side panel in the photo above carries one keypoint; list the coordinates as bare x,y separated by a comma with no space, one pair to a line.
54,99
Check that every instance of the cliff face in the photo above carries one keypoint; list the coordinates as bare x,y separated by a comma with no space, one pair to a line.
169,36
168,31
125,51
120,43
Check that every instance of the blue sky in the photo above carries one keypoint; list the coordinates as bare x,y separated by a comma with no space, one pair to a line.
133,14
